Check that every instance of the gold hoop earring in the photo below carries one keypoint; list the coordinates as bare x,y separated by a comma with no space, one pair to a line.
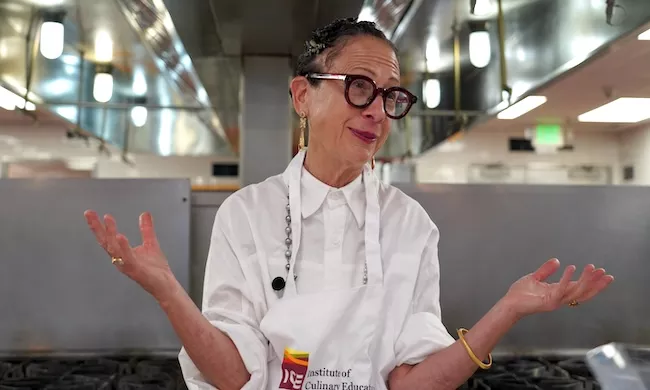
372,163
303,127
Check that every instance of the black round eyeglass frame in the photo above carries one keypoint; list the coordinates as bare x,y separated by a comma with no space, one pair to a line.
350,78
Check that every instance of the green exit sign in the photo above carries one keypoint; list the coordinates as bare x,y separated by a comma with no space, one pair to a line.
549,135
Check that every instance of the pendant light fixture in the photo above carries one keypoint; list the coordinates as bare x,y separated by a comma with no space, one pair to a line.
431,92
139,112
480,7
52,35
103,83
480,48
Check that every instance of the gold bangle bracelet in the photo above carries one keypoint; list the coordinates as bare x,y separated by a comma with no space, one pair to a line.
475,359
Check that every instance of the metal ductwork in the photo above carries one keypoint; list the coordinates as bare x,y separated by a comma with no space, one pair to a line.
218,34
534,43
150,70
389,14
188,52
153,23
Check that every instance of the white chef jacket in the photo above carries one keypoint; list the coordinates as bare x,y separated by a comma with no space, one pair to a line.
247,253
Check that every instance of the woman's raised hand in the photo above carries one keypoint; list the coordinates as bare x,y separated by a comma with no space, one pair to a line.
531,294
146,264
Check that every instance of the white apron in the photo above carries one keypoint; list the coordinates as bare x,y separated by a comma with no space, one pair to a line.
327,340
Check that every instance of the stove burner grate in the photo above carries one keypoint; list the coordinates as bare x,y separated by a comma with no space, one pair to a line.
91,374
534,373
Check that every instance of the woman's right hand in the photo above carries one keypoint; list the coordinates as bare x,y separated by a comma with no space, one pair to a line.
146,264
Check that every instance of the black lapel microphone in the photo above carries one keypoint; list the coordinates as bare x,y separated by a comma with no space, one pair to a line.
278,284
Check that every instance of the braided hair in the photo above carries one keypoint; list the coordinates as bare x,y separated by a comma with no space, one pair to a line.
327,42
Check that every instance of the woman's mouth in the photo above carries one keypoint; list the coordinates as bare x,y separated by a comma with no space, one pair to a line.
365,136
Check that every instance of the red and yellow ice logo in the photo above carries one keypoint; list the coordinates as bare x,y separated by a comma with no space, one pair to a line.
294,369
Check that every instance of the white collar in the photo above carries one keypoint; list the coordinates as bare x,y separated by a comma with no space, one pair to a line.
315,191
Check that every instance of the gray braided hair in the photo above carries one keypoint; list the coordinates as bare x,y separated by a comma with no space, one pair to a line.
331,39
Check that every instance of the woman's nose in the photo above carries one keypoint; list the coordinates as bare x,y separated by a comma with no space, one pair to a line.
375,110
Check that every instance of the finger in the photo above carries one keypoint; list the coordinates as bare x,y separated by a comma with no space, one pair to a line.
125,250
147,230
113,248
111,225
547,269
95,225
596,286
578,288
573,286
566,279
587,285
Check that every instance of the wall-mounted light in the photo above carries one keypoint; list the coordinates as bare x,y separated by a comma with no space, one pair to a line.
52,37
431,92
103,83
480,50
139,112
103,47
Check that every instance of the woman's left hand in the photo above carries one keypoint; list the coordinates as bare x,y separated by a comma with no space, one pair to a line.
531,294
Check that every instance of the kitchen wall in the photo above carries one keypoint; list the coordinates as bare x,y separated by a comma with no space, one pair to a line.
635,153
459,161
452,162
197,169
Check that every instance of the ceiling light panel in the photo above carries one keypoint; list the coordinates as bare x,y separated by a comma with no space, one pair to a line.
522,107
622,110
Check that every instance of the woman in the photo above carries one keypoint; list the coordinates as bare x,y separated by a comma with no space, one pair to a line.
322,277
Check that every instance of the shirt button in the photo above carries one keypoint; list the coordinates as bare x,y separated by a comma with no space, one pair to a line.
336,242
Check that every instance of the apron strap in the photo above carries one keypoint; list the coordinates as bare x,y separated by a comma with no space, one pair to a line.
292,177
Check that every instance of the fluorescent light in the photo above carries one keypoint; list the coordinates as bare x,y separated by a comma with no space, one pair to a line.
645,36
7,99
479,48
431,92
521,107
29,106
51,44
622,110
11,101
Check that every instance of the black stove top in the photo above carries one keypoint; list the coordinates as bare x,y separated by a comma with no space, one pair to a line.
529,373
91,374
534,374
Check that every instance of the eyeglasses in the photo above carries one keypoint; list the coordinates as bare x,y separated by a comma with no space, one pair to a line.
361,91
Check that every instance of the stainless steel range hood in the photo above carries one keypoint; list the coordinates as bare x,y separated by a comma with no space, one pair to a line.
175,116
542,40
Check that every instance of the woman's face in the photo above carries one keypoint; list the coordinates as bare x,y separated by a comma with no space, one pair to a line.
349,134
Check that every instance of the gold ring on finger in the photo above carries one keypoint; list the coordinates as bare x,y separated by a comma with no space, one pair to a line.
574,303
117,260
